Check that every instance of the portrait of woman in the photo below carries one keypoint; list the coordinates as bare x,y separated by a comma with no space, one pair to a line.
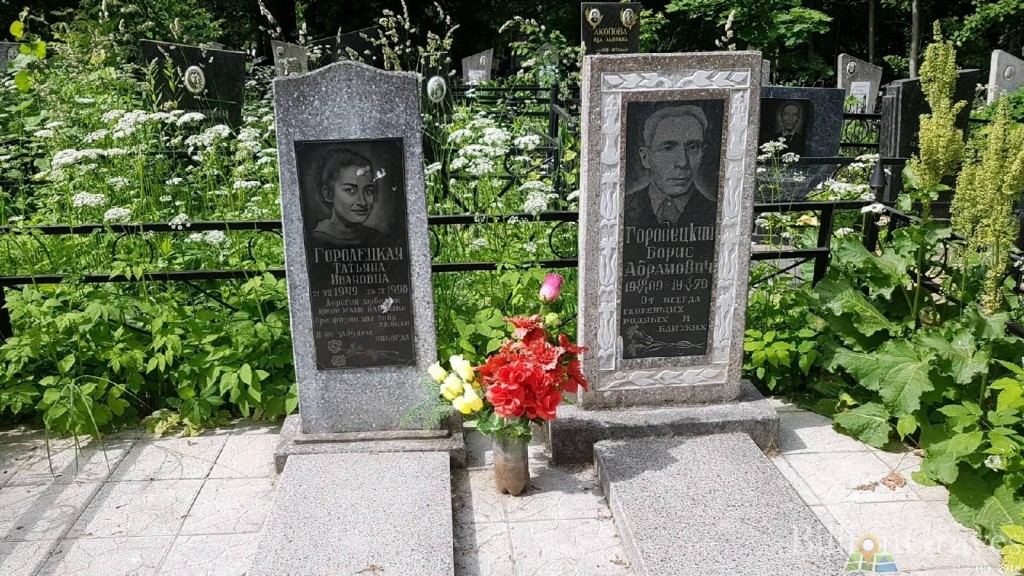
348,187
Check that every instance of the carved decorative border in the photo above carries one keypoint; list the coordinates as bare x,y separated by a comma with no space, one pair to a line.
609,344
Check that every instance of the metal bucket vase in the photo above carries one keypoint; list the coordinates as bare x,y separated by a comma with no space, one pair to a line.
511,465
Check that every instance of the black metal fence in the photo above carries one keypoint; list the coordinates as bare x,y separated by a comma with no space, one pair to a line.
860,136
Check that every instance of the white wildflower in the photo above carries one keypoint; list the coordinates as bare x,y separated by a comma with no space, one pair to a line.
97,135
166,198
246,185
174,181
117,215
111,115
43,134
530,247
118,182
86,199
790,157
527,142
994,462
843,232
478,243
180,222
190,118
875,208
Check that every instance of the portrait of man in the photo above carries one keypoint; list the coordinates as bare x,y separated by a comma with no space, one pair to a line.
785,121
675,148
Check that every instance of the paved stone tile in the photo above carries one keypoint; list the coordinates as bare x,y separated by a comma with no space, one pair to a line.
801,487
920,535
847,477
906,464
254,427
88,461
170,458
12,458
803,432
215,555
247,456
228,506
782,404
475,498
108,557
483,550
42,512
23,558
977,571
149,508
568,548
838,532
557,493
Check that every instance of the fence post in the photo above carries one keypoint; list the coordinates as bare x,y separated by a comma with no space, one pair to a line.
824,241
6,330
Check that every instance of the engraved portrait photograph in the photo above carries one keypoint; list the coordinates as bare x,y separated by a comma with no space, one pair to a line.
673,158
785,120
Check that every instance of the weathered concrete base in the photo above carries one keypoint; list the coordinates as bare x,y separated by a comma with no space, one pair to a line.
710,506
387,513
293,442
573,434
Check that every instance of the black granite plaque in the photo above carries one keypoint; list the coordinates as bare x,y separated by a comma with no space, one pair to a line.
902,110
358,46
670,224
809,120
610,27
352,194
204,80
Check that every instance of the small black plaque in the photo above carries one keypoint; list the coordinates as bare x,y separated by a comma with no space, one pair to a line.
610,27
206,80
670,227
354,209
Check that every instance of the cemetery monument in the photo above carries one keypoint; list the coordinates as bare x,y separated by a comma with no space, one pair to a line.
1006,74
861,80
610,27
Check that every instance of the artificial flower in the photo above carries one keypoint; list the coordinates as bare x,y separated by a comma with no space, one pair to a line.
437,373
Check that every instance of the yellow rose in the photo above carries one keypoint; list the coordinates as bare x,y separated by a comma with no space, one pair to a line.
462,367
437,373
468,403
452,387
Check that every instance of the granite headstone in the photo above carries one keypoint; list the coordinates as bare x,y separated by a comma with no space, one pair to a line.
205,80
809,119
477,68
664,252
610,27
289,58
356,247
766,72
903,103
861,80
1006,74
358,46
435,69
8,52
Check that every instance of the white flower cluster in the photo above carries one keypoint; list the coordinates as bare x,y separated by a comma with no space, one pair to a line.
790,158
527,142
118,182
86,199
46,133
97,135
208,137
191,118
117,215
494,136
994,462
875,208
246,185
843,232
72,156
530,247
174,181
180,222
773,146
212,237
478,243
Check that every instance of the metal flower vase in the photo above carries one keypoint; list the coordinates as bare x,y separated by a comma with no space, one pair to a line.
511,465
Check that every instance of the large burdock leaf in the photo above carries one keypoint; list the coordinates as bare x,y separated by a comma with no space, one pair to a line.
975,503
869,422
840,297
897,371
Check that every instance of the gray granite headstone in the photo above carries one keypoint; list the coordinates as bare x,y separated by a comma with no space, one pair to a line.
665,217
289,58
811,119
903,103
610,27
860,79
356,246
8,52
477,68
1006,74
766,72
206,80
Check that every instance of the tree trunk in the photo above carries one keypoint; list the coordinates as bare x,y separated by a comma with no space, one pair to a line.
871,31
915,36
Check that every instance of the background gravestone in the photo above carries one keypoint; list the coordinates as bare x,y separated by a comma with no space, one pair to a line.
860,79
610,27
663,293
902,106
819,118
8,52
205,80
766,72
477,68
360,295
358,46
289,58
1005,75
435,69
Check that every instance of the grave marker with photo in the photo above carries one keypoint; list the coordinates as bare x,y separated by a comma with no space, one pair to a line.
1006,74
204,80
610,27
289,58
8,52
477,68
861,80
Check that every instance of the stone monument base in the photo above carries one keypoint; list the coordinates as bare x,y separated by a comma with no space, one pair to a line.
293,441
571,436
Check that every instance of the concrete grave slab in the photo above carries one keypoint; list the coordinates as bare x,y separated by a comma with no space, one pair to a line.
389,513
711,505
289,58
205,80
477,68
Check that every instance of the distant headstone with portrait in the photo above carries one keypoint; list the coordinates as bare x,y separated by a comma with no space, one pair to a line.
861,80
668,176
1006,75
610,27
289,58
355,231
477,68
809,121
198,79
